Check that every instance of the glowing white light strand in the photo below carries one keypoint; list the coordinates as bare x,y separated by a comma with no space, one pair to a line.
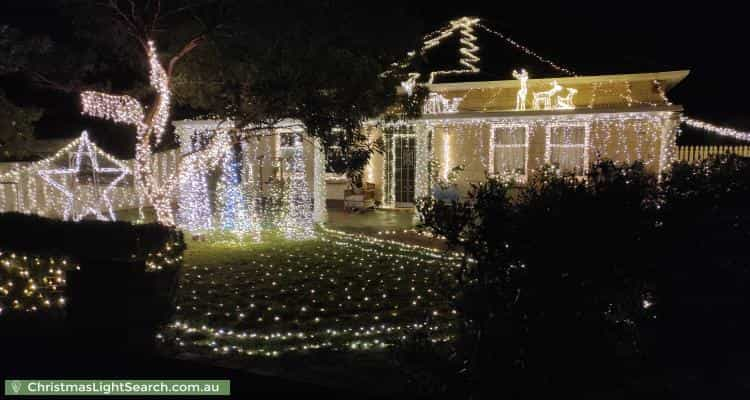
719,130
526,50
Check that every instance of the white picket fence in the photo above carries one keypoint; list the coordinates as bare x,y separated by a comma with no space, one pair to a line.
697,153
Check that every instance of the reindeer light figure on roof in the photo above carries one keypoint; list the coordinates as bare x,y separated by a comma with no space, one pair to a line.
543,100
566,102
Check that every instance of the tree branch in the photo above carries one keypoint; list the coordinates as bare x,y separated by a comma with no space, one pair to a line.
43,81
189,46
130,24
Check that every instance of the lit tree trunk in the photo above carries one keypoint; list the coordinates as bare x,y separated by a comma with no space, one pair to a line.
125,109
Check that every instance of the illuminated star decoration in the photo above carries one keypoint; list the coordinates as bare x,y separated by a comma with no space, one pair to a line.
86,155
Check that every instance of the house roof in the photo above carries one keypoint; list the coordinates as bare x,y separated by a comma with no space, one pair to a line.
625,92
469,49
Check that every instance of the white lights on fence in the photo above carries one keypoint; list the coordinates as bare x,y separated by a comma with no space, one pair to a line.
62,193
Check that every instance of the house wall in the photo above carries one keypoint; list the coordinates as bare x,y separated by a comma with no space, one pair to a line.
625,137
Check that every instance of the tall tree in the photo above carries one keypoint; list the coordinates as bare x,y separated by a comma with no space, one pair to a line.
317,62
253,62
142,21
17,123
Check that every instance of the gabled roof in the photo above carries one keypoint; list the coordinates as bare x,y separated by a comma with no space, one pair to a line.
467,50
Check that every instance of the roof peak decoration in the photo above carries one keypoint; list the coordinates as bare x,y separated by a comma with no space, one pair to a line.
469,58
468,50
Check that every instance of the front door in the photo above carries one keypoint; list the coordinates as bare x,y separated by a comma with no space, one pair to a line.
400,163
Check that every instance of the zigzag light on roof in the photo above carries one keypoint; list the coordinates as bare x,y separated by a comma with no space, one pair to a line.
468,50
469,40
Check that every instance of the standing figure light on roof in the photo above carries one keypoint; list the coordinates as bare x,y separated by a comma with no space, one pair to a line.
523,77
566,102
543,100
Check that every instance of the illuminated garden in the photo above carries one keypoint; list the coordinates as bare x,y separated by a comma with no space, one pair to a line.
372,200
336,292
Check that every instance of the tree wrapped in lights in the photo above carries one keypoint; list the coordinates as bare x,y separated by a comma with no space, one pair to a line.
149,128
150,122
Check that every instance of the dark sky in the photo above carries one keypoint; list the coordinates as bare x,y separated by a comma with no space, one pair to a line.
709,38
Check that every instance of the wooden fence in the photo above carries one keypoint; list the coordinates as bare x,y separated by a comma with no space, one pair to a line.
697,153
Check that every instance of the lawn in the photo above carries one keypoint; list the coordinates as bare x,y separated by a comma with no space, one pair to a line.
336,293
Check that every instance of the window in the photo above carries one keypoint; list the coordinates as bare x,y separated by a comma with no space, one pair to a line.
567,147
509,152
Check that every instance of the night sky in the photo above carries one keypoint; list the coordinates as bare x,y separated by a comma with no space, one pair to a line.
708,38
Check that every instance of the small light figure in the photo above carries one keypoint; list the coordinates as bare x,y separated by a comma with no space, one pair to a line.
566,102
543,100
523,77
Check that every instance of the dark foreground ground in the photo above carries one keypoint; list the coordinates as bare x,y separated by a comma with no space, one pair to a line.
39,349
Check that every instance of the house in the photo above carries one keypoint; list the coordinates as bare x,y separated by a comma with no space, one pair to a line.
272,177
473,127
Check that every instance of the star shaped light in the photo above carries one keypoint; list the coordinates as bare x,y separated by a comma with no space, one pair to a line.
100,201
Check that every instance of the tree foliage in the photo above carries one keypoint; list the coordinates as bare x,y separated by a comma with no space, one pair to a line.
17,123
320,63
16,129
597,284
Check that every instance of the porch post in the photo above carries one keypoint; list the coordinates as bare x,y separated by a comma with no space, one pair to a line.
422,162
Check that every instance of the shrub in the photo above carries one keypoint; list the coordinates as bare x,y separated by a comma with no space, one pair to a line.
86,240
703,274
554,290
594,285
38,256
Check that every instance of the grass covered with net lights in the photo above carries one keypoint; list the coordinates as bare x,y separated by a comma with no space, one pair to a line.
337,292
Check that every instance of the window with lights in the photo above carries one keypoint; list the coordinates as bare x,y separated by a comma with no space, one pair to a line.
509,151
567,147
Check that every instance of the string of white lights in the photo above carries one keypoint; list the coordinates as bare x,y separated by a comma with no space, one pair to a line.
719,130
526,50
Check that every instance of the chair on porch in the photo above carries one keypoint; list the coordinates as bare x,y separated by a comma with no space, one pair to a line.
360,198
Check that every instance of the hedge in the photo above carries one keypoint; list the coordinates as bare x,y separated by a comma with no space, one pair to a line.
84,240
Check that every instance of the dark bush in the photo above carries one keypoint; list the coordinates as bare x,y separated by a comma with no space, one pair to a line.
84,240
703,280
123,287
553,299
616,284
